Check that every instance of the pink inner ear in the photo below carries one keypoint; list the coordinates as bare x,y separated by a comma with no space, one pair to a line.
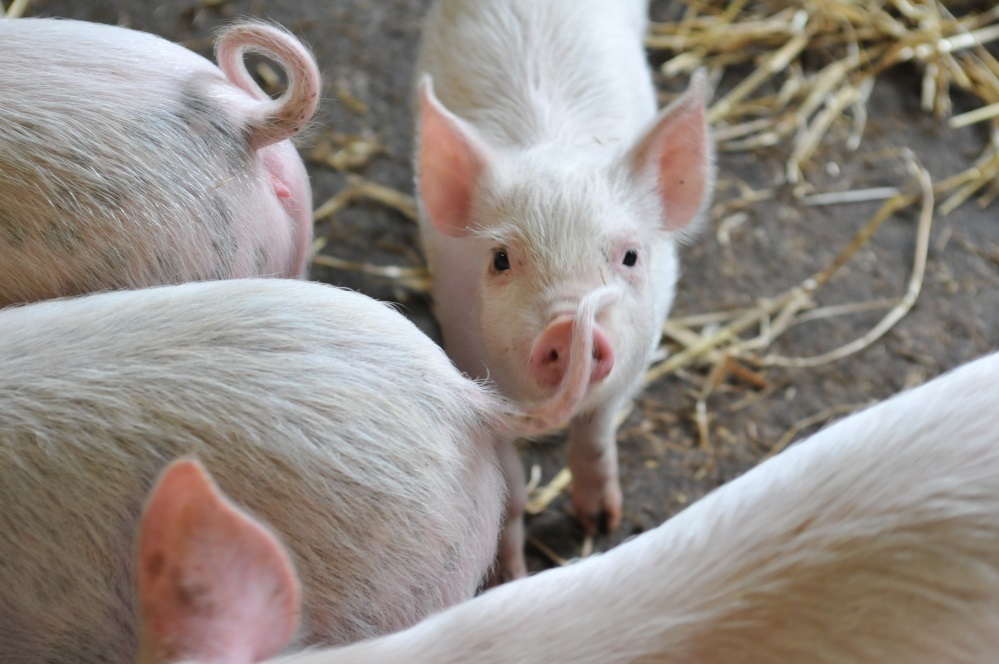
214,585
677,148
450,165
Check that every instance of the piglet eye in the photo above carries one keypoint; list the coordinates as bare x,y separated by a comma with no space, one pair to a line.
630,258
501,262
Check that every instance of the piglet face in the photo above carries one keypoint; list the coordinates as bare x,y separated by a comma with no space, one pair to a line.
548,230
538,229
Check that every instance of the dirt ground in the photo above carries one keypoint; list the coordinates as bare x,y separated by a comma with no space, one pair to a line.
366,49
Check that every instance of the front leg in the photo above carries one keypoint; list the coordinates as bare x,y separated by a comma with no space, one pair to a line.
596,491
510,563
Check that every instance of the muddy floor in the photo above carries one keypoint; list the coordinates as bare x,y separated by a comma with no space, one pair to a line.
366,50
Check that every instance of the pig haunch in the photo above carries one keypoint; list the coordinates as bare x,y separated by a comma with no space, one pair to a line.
129,161
543,173
328,414
280,119
875,540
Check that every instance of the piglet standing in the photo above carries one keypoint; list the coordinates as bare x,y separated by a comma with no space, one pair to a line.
129,161
876,540
325,412
544,173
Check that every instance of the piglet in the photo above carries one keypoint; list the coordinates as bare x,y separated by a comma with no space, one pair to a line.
876,540
129,161
326,413
544,173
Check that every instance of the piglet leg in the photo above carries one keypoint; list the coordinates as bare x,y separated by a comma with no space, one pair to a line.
592,457
510,562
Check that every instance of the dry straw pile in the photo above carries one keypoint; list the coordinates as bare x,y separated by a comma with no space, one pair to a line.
814,65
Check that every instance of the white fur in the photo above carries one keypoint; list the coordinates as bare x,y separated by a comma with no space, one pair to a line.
875,540
129,161
537,84
555,99
326,413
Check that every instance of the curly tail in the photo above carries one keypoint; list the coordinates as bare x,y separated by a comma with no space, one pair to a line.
278,119
561,406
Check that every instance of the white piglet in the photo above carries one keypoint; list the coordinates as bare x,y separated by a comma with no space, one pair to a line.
129,161
876,540
543,174
326,412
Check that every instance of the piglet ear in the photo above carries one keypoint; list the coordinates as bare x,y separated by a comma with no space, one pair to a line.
451,163
677,152
214,585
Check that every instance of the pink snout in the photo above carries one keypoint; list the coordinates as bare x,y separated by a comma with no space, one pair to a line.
550,357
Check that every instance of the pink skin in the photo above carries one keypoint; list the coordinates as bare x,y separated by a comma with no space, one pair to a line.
191,538
291,188
276,121
577,375
550,356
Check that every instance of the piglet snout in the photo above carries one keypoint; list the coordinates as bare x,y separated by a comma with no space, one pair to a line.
550,357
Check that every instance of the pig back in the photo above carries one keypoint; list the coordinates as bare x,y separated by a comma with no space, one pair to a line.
570,72
327,414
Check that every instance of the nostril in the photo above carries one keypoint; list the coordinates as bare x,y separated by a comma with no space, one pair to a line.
550,355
